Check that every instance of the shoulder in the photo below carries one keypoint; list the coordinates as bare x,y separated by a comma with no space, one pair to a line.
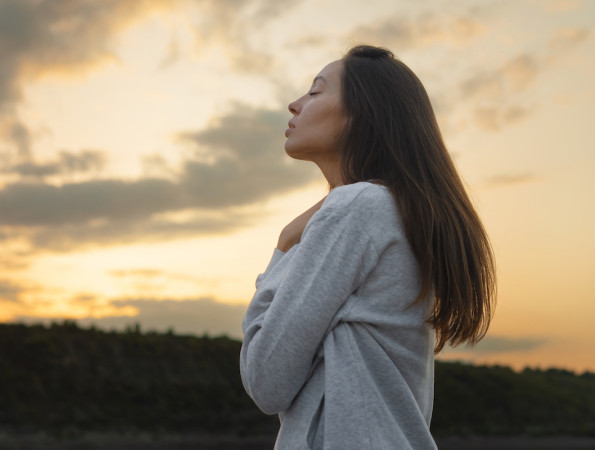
369,207
363,196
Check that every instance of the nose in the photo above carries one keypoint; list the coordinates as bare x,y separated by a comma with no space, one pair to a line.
293,107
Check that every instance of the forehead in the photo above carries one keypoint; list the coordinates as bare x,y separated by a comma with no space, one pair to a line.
331,72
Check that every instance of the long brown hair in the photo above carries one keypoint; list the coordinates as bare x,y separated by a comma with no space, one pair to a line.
392,137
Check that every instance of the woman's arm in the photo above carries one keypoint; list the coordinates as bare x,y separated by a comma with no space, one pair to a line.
280,342
290,236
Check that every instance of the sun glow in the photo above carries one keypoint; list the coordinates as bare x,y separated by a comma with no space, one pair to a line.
164,114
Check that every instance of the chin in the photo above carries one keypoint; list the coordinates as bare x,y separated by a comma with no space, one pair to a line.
300,152
291,152
296,155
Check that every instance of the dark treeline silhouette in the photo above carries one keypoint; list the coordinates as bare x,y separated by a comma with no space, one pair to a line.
63,379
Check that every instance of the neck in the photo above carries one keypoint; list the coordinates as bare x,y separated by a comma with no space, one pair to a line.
331,169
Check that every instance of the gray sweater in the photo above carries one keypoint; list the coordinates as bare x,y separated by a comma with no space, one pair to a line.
332,340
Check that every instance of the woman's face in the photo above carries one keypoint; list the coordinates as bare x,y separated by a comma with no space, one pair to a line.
318,119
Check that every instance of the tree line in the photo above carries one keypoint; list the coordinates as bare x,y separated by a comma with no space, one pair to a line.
63,379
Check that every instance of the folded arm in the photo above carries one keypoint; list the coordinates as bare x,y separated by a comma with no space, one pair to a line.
284,327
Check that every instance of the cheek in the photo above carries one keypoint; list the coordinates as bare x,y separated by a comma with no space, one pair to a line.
339,124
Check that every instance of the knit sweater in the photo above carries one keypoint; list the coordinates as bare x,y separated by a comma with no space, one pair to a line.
333,340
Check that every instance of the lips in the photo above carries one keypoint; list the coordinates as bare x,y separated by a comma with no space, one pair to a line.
291,127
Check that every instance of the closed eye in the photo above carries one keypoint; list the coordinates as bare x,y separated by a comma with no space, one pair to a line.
312,93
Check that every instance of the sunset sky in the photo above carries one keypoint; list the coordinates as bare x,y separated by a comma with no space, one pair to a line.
143,177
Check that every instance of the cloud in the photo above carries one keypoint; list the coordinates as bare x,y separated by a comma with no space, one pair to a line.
173,54
38,37
10,291
143,273
48,36
41,36
69,237
66,163
248,165
557,6
564,39
494,117
230,27
18,133
38,204
271,9
192,316
13,261
502,344
493,93
428,29
510,179
155,165
496,94
514,76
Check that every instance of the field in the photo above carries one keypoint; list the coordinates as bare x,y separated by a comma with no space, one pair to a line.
64,387
201,442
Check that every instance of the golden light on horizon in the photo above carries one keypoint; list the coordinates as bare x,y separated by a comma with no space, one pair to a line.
131,136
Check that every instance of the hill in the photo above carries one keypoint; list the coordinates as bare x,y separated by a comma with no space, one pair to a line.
63,379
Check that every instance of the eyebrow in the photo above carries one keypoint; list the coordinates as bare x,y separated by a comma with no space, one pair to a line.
319,77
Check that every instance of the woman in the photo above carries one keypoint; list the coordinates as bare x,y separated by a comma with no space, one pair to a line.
365,286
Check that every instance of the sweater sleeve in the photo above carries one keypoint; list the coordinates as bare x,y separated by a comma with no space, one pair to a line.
284,328
277,256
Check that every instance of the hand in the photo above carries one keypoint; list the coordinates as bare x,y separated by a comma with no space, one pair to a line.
292,233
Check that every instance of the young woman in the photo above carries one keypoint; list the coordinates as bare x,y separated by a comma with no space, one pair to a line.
365,286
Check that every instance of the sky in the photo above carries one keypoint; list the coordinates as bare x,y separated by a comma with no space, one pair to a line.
143,177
